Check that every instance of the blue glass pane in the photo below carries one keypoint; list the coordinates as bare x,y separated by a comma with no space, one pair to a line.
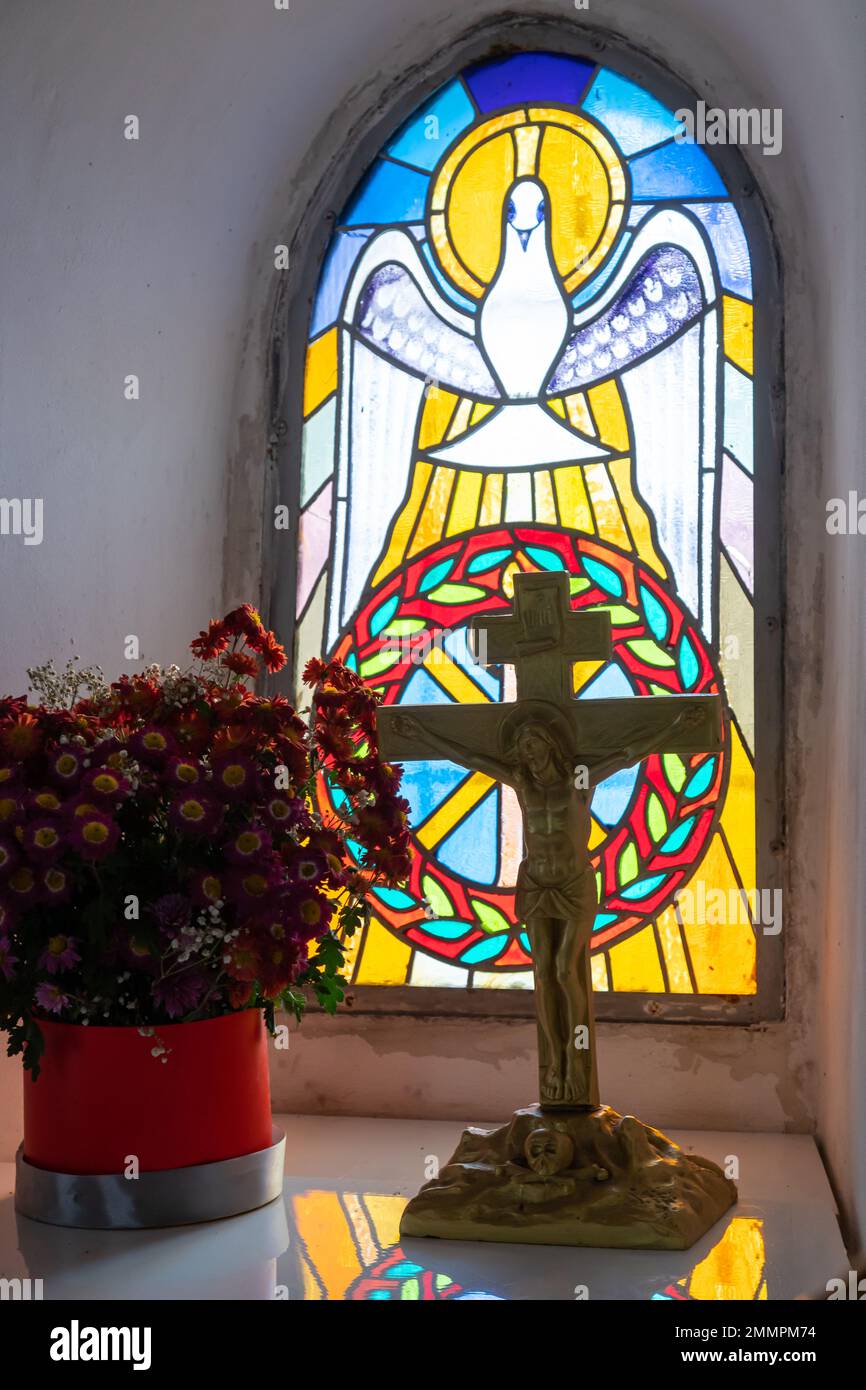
728,239
425,138
343,252
643,887
611,797
634,118
426,785
739,439
598,282
471,848
389,193
457,647
675,171
533,77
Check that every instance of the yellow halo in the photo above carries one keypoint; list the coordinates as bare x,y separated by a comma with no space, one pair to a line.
567,153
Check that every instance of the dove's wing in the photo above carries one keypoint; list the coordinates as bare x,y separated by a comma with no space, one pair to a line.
398,334
395,307
655,325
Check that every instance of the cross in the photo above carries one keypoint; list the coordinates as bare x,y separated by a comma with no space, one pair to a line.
540,744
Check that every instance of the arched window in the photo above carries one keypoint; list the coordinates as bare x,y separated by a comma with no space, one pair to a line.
532,347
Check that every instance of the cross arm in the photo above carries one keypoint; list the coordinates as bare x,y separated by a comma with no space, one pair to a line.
615,733
466,734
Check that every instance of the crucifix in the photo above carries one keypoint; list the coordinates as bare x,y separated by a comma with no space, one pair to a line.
553,750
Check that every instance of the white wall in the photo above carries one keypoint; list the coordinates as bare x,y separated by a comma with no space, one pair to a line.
155,258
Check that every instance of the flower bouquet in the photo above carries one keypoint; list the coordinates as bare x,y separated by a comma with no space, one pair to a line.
165,873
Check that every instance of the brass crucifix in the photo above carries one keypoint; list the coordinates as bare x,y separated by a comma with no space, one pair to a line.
553,750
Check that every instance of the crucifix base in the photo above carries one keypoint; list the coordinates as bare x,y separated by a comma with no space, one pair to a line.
579,1177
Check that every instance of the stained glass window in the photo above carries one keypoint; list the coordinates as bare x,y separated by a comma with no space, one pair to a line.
531,349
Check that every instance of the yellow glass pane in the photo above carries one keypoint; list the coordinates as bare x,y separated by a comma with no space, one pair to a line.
738,814
734,1268
438,410
465,503
526,141
608,516
583,672
545,507
479,413
673,951
574,505
453,809
491,502
578,414
432,520
635,964
579,200
558,405
721,944
737,323
609,416
384,957
475,208
460,423
598,968
451,677
321,1225
320,372
405,522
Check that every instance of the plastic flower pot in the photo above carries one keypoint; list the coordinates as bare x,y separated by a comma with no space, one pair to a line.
119,1132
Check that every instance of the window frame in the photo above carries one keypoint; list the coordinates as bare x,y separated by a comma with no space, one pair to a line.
292,307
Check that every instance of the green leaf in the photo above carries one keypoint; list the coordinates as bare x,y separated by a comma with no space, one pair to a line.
456,593
490,917
437,897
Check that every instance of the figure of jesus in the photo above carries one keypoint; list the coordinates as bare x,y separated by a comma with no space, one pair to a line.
556,894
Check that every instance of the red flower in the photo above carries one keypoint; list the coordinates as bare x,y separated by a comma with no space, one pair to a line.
21,737
240,663
246,622
208,645
264,951
273,654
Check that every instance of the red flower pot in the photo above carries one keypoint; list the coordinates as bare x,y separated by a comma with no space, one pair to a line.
101,1096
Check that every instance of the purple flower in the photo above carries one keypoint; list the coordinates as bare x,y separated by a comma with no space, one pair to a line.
7,960
60,954
178,994
8,856
51,998
173,912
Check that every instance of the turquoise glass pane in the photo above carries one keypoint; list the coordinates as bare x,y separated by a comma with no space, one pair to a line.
425,138
634,118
